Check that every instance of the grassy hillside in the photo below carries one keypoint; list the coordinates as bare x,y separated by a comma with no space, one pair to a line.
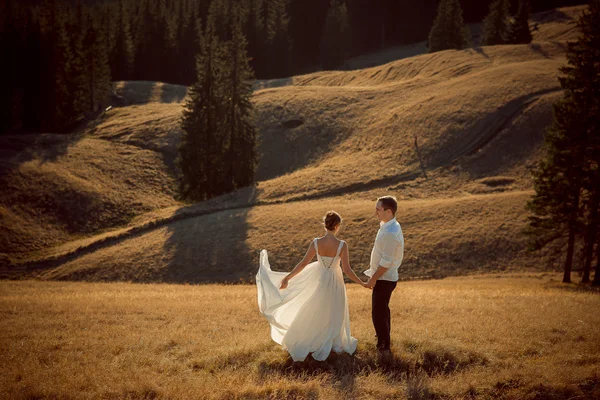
84,206
513,337
57,188
456,236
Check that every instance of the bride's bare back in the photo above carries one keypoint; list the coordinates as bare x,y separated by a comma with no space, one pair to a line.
328,245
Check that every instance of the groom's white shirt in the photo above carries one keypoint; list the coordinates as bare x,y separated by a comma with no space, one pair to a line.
388,250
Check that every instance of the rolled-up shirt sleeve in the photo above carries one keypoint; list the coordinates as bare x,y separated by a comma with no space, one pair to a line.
389,243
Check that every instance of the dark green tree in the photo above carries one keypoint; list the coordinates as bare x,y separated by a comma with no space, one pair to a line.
121,61
9,45
97,67
33,62
58,115
148,42
253,30
519,29
582,79
449,30
556,203
565,202
168,56
458,33
336,43
78,88
496,24
186,46
437,40
202,146
240,129
276,39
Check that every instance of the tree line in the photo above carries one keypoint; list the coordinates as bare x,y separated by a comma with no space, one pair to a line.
449,30
56,51
56,66
566,205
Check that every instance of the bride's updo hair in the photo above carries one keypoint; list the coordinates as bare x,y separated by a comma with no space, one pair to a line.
331,220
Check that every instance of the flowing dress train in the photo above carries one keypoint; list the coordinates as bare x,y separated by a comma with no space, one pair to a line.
311,314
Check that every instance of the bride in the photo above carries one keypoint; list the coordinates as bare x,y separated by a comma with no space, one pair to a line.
308,308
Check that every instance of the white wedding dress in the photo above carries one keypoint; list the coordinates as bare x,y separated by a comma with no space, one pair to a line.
311,314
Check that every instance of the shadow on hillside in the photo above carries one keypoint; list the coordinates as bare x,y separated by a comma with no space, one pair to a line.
46,147
261,84
554,16
518,130
479,50
141,92
173,93
539,49
212,248
385,56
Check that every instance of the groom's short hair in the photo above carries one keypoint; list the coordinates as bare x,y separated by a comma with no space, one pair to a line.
389,203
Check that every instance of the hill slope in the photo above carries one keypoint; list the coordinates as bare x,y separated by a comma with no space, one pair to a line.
331,137
444,237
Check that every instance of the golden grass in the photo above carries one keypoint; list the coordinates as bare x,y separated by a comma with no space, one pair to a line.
61,188
462,235
360,126
486,337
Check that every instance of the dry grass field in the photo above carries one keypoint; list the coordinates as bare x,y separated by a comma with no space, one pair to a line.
472,234
120,290
511,337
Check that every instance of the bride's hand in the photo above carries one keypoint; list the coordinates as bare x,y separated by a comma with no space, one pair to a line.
284,283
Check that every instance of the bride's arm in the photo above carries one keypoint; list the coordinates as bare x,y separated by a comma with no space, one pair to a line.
345,256
310,253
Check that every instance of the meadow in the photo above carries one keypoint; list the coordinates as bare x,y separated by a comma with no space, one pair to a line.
119,289
491,336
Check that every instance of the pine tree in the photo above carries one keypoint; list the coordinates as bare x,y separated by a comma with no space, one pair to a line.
565,200
9,43
121,62
276,39
556,203
495,24
97,66
189,48
437,40
458,33
58,115
254,33
33,65
596,281
240,159
449,30
336,42
148,40
583,81
169,62
519,30
78,79
201,149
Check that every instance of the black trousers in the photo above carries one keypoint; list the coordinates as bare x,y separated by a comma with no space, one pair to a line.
380,312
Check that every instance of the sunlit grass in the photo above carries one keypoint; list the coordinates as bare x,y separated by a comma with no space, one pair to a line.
477,337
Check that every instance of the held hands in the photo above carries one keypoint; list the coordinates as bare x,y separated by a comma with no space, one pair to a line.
284,283
370,284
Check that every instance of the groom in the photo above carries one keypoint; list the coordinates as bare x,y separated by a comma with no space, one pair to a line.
386,257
